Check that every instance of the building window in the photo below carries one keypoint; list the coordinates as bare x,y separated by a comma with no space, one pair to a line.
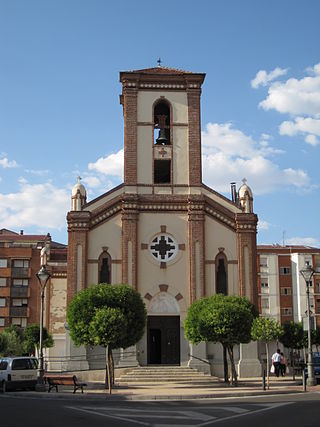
263,261
264,303
318,306
20,263
2,302
2,319
20,302
285,271
162,171
286,311
264,284
3,263
164,248
317,287
285,291
20,282
104,266
3,282
19,321
221,274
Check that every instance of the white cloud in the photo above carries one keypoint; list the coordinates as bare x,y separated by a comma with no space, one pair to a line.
263,78
263,225
296,97
229,155
307,126
110,165
37,172
36,205
306,241
5,163
92,181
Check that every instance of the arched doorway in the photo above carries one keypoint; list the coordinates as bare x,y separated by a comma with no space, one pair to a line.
163,330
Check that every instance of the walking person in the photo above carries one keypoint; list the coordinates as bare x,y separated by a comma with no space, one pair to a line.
276,360
283,364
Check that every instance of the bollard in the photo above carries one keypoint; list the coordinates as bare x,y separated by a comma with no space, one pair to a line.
264,380
304,383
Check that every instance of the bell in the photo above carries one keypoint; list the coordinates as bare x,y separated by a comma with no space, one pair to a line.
162,140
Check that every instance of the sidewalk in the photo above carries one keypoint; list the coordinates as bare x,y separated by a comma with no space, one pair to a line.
176,391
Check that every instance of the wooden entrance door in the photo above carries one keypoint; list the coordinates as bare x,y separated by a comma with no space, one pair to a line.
163,340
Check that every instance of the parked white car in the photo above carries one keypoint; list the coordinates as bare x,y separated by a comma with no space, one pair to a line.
18,372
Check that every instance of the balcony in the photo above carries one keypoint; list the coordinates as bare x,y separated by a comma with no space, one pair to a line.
20,292
19,312
20,272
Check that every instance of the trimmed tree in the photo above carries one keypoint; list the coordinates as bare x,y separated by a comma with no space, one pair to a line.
221,318
113,316
292,337
266,330
31,339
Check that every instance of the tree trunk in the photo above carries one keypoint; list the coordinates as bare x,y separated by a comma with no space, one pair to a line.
268,364
112,367
108,368
234,378
225,364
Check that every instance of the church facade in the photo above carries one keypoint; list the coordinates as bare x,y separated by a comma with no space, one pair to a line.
163,231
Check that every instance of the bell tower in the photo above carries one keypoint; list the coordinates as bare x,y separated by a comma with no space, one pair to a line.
162,129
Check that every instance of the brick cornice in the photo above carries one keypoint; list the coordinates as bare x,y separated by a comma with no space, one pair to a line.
246,223
78,220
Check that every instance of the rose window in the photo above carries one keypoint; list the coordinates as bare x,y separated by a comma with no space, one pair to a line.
164,248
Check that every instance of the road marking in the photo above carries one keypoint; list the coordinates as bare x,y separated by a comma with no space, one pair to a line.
266,408
107,415
235,409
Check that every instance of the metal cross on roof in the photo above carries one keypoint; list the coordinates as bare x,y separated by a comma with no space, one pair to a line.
159,62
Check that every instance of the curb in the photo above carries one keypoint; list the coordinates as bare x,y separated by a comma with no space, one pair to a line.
137,398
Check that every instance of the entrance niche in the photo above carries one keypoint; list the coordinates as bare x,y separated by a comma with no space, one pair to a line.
104,266
163,330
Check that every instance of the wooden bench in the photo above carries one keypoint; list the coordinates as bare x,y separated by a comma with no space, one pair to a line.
54,380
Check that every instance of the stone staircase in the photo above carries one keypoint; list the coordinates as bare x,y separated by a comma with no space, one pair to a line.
164,374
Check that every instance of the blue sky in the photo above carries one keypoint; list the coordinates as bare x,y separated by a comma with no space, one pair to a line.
60,114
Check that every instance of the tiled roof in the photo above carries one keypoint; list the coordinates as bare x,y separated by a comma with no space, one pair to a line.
287,248
161,70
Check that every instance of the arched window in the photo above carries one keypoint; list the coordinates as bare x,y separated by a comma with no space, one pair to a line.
221,274
161,124
104,266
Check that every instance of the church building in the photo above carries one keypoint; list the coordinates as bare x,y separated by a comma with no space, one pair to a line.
163,231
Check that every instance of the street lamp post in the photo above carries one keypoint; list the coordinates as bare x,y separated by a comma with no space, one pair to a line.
307,274
43,276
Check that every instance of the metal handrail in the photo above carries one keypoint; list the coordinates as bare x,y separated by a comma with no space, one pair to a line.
198,358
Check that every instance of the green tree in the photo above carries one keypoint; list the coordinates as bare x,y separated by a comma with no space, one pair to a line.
31,339
266,330
221,318
12,341
292,337
113,316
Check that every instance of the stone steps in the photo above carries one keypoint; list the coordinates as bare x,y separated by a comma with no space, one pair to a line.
171,374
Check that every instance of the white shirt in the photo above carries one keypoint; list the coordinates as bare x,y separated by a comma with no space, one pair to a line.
276,357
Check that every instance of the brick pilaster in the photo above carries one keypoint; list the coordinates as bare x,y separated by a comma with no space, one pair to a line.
194,134
129,234
78,227
246,228
130,114
196,219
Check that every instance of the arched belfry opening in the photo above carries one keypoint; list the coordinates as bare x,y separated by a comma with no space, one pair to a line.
161,121
104,266
162,142
221,274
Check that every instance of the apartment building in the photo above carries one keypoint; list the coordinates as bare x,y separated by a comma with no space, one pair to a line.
281,287
19,286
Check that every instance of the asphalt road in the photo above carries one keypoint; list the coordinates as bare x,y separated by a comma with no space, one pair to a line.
292,410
